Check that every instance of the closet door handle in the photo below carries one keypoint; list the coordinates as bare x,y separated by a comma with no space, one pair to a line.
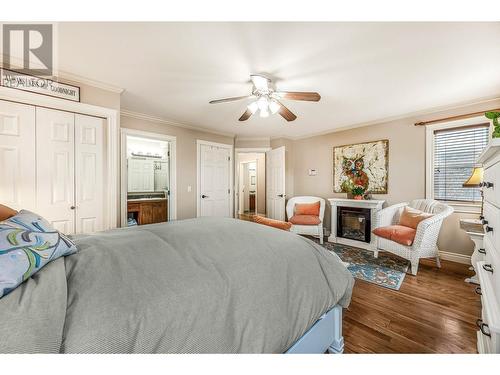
72,207
488,268
483,327
481,251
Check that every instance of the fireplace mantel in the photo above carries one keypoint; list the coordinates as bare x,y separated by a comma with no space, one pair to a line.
373,204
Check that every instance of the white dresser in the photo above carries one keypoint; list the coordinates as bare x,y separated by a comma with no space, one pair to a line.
488,265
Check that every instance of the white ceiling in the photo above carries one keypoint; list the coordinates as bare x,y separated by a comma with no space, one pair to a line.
363,71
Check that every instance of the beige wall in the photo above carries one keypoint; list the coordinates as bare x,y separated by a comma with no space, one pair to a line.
406,166
261,176
252,143
186,158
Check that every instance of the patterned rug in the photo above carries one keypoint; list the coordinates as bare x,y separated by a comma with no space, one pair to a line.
386,270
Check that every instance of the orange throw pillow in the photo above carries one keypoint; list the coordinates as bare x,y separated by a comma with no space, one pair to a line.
305,219
307,208
410,217
397,233
6,212
272,223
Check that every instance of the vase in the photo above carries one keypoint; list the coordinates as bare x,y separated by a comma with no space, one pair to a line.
358,197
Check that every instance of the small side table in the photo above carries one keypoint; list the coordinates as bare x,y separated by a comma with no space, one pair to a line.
475,230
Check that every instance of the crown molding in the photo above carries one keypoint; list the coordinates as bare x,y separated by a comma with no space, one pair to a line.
425,112
74,78
160,120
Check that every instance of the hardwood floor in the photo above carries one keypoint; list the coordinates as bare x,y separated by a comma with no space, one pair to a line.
433,312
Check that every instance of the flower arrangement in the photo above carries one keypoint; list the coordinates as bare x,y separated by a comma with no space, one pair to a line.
358,191
494,116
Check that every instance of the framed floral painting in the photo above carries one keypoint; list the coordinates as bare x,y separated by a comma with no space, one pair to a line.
361,165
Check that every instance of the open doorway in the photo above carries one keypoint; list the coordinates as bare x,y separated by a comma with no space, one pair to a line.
148,178
251,184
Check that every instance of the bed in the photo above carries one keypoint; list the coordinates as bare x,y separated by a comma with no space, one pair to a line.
206,285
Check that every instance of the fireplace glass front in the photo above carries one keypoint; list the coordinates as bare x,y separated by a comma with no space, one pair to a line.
354,223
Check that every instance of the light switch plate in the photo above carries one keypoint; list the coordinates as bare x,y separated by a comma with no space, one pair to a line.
313,172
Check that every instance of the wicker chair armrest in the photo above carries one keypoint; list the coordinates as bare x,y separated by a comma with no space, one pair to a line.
428,230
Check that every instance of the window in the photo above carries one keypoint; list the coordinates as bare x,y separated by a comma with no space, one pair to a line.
455,153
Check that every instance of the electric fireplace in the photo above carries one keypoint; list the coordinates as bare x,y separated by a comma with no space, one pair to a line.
354,223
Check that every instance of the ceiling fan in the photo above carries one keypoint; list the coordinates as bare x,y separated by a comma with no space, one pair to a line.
267,100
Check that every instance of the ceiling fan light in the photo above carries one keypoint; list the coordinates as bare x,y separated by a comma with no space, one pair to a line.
253,107
263,103
274,107
264,113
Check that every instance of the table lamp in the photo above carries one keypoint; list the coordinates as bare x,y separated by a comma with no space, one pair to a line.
474,181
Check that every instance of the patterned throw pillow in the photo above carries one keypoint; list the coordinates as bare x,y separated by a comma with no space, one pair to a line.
27,243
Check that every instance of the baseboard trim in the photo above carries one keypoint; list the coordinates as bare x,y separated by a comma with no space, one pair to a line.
454,257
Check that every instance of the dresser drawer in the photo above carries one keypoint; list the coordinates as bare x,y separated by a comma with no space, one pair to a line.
491,264
492,192
492,224
489,323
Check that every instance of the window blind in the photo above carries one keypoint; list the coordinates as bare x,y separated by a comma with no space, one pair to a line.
455,154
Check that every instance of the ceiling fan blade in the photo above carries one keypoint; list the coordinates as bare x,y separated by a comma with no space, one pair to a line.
286,113
246,115
298,95
260,82
225,100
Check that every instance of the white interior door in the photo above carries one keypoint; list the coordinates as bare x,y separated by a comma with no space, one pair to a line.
241,189
89,154
17,155
214,192
55,166
275,183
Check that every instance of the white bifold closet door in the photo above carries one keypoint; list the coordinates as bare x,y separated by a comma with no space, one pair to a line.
17,155
69,170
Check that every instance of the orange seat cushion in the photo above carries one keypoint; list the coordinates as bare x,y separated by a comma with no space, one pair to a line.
305,219
272,223
307,208
6,212
411,217
397,233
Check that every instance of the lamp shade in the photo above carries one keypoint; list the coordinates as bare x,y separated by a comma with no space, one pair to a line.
475,178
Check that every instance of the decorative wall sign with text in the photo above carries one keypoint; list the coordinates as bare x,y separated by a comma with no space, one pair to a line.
38,85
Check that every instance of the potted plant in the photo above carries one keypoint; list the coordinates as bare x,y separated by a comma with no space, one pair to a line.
494,116
358,192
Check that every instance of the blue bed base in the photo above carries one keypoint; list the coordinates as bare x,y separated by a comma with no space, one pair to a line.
324,335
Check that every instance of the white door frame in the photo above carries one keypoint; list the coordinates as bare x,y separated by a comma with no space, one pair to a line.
172,199
200,142
112,135
238,209
245,150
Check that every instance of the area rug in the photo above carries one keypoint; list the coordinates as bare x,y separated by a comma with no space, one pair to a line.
386,270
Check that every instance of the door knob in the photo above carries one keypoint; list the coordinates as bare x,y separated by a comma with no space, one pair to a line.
281,195
72,207
204,196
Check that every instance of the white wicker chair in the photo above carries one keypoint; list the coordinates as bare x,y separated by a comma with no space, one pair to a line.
312,230
425,243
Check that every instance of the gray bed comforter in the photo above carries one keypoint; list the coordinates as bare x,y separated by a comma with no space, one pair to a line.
193,286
